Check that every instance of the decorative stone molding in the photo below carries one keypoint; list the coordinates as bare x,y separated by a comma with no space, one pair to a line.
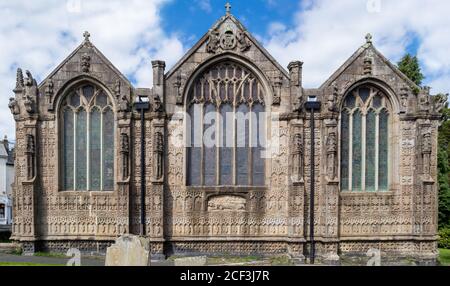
20,85
14,106
424,102
331,147
124,153
297,158
277,84
404,97
228,37
226,203
158,152
49,92
31,156
295,74
332,98
85,63
178,89
426,148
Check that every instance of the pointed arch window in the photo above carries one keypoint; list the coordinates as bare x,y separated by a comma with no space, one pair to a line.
227,128
365,123
88,140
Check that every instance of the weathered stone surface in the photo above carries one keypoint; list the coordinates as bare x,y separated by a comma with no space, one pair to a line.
129,250
268,219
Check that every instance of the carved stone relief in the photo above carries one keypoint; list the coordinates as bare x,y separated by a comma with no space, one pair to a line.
226,203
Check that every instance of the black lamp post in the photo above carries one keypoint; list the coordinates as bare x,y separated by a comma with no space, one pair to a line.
312,105
142,106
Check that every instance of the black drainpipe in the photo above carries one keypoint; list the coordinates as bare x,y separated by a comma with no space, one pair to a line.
142,106
312,105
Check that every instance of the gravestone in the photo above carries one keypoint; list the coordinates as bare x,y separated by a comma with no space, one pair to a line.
129,250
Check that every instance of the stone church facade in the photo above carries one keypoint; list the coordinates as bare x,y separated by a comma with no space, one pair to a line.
78,155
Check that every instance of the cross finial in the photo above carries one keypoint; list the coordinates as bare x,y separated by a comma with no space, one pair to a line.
228,8
369,38
86,36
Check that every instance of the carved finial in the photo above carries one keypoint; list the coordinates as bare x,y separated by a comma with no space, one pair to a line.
228,8
86,36
369,38
19,79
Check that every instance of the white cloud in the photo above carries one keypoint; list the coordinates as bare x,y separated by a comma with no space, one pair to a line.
38,35
205,5
327,32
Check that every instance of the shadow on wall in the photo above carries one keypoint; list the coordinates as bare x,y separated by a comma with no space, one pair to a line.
4,236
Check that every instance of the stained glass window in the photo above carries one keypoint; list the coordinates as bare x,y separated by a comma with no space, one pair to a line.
365,140
345,119
242,150
258,143
370,150
196,143
81,150
95,148
88,141
209,150
69,130
232,93
108,150
101,100
226,150
383,150
356,151
88,92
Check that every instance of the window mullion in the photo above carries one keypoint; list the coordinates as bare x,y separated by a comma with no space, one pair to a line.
202,149
101,150
350,153
88,149
234,163
75,117
363,151
250,149
218,144
377,140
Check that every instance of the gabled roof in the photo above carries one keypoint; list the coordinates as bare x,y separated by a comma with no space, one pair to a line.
86,43
206,36
368,46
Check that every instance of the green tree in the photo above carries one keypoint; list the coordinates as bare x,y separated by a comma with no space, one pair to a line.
409,65
444,169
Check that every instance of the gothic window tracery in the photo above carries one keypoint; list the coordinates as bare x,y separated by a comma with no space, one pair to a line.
87,133
227,130
365,137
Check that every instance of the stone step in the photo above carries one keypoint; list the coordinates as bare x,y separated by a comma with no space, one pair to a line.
9,247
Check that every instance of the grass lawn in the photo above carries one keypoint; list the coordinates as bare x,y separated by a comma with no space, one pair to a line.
50,254
444,256
26,264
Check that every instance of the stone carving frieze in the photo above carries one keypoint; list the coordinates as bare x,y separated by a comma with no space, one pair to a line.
226,203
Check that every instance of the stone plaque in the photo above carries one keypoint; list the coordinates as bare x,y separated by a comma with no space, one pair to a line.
129,250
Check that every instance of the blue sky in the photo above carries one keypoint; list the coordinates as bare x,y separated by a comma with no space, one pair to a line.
191,19
38,35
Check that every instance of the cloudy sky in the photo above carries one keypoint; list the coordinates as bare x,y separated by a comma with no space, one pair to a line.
37,35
